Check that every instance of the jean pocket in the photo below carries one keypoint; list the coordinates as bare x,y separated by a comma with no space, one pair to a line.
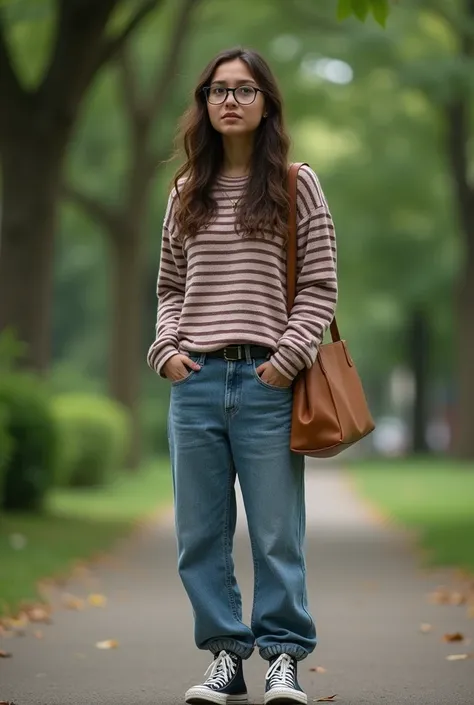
264,384
179,382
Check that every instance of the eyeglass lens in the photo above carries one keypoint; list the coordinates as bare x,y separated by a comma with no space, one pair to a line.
243,94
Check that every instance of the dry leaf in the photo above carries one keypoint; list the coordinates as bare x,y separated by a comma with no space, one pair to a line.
97,600
425,628
38,613
318,669
456,636
18,622
457,598
73,603
5,654
108,644
440,596
327,699
6,702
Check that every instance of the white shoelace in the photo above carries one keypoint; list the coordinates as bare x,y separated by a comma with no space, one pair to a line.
282,672
222,669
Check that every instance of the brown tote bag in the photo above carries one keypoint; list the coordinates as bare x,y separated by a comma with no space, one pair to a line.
330,411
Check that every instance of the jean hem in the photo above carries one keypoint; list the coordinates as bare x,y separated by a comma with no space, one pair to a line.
298,652
230,645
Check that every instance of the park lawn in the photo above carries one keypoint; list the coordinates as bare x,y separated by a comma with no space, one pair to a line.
77,525
434,497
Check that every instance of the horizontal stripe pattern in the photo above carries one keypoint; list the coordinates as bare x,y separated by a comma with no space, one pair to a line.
219,288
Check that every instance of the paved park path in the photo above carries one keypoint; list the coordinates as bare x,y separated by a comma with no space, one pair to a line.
367,592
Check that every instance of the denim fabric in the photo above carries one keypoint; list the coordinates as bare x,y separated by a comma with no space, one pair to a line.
225,420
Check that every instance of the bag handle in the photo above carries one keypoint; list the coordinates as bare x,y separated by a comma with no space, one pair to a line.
292,247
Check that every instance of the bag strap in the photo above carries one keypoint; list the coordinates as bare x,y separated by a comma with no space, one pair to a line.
292,246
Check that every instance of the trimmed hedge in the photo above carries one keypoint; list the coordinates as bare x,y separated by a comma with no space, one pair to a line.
95,437
29,465
5,447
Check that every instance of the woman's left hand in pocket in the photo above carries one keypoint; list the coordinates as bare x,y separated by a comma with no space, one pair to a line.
271,375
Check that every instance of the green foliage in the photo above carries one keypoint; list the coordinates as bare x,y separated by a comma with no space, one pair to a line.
11,350
31,461
5,446
94,439
380,9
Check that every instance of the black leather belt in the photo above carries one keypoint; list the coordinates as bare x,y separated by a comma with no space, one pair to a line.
232,353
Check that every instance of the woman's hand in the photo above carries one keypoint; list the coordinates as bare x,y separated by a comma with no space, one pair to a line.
271,375
176,367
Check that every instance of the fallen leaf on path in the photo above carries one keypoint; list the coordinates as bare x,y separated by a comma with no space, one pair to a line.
318,669
38,613
457,598
6,702
327,699
18,622
97,600
456,636
443,596
459,657
425,628
5,654
108,644
73,603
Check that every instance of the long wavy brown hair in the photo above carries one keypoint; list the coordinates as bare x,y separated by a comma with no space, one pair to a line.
264,207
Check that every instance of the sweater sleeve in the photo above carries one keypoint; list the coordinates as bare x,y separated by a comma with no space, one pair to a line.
316,280
170,293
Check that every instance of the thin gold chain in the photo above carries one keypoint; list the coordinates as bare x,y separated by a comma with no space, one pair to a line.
234,203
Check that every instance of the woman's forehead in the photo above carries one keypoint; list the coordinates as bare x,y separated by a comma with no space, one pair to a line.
236,71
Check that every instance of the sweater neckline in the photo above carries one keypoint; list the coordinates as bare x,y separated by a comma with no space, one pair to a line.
231,180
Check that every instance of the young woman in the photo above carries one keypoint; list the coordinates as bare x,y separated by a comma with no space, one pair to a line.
231,352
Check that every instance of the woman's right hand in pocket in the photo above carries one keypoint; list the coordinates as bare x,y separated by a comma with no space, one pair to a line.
178,366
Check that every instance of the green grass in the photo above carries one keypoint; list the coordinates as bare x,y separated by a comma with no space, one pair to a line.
76,525
434,497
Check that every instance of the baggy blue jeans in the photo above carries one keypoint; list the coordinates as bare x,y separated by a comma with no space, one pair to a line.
225,420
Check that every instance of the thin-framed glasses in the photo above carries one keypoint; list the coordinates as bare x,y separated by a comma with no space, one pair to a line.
244,95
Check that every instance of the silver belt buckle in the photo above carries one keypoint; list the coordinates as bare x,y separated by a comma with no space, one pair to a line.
233,359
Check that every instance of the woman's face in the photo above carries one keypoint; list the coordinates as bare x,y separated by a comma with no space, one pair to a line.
231,118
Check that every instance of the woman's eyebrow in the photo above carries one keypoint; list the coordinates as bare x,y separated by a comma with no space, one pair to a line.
240,82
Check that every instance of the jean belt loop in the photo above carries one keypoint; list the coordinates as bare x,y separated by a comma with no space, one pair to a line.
248,356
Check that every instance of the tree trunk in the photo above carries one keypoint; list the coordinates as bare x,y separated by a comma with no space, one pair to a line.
464,423
126,353
419,346
31,169
458,134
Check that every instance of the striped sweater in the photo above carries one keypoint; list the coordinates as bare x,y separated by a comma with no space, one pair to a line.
219,288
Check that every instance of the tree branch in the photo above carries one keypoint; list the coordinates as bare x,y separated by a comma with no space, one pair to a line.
80,28
9,84
110,218
129,85
166,74
112,46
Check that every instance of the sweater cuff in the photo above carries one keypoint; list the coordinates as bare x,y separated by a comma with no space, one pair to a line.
157,359
287,362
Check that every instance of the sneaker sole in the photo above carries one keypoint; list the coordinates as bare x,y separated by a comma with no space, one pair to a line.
285,697
198,696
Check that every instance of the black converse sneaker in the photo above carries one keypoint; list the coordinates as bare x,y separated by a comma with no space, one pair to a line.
225,684
282,685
